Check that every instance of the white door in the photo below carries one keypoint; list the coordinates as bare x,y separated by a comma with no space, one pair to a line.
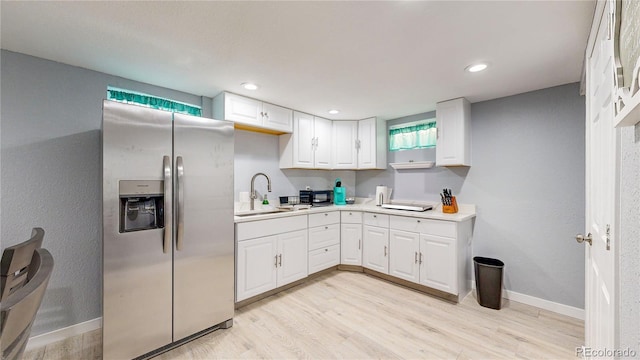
367,143
345,135
277,118
375,248
351,244
303,140
322,131
437,256
403,255
601,177
256,267
242,110
292,256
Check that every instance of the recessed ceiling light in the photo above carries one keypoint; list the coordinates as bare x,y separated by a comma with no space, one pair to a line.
334,111
476,67
249,86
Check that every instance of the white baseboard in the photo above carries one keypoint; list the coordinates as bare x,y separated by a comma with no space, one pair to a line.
563,309
64,333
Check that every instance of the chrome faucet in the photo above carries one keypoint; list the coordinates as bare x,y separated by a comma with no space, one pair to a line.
253,190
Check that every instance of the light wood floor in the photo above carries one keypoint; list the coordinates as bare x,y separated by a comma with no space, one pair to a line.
345,315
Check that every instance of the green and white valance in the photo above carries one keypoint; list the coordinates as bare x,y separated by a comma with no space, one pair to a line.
154,102
416,135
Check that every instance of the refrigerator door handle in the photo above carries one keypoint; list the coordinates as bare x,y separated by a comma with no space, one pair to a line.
166,164
180,199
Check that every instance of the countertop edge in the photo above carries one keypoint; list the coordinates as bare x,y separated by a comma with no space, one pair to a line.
435,214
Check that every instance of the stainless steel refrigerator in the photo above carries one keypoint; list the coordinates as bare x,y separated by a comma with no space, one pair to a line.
168,241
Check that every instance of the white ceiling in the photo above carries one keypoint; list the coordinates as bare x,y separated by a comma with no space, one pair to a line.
386,59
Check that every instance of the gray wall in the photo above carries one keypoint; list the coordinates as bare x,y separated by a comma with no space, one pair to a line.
527,180
629,246
50,147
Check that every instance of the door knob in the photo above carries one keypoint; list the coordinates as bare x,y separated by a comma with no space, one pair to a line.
581,238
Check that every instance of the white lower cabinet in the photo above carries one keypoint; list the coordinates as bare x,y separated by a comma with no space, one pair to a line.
375,249
425,251
266,262
351,244
256,266
404,254
438,269
324,241
351,238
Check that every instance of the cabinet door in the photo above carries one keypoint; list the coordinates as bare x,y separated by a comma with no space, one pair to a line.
256,267
375,248
242,110
292,256
453,145
438,269
367,143
303,140
351,244
322,131
277,118
345,136
404,248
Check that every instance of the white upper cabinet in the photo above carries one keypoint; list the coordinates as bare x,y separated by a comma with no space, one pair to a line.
345,138
277,117
453,145
359,144
252,114
372,144
323,146
309,146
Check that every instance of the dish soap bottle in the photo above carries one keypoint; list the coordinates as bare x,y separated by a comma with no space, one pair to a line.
265,201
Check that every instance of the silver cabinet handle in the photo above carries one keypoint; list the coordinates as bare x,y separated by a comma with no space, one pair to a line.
326,250
166,164
375,216
326,227
280,260
418,221
276,263
180,198
420,257
326,214
416,257
359,244
385,250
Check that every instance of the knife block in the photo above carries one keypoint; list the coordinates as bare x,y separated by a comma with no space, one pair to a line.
450,209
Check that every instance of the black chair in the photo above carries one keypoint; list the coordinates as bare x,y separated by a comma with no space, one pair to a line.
21,302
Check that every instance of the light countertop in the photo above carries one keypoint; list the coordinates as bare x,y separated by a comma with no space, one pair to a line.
465,212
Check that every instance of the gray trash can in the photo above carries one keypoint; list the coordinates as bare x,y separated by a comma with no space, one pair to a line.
488,281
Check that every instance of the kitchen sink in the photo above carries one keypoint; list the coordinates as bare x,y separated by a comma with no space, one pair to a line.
261,212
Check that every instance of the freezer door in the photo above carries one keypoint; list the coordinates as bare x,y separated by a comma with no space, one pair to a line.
204,249
136,289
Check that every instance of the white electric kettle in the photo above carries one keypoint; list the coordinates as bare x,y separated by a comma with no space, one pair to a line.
383,195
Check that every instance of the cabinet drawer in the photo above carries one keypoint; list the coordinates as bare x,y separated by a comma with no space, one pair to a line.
324,218
324,258
323,236
380,220
424,226
351,217
260,228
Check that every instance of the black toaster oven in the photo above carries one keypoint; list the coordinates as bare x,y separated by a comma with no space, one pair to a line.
316,197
